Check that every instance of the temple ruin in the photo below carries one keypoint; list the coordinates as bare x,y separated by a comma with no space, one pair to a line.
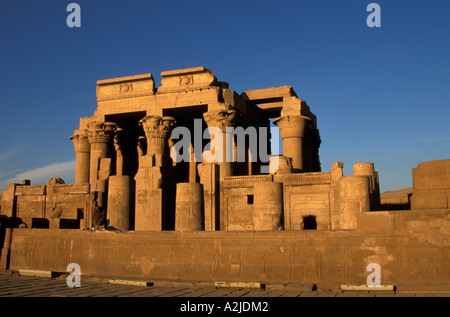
273,218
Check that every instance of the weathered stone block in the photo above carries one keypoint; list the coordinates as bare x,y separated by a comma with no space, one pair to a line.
186,79
125,87
429,199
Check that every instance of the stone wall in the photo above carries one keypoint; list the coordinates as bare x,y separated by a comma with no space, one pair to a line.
46,205
431,185
412,249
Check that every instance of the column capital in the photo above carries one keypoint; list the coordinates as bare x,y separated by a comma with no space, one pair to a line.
157,132
80,141
221,119
292,126
157,127
101,132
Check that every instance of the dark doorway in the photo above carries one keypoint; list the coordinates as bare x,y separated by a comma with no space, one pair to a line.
309,223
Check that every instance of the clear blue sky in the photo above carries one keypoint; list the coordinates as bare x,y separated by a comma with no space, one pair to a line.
380,94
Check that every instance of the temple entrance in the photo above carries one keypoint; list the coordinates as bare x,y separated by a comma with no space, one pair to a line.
131,131
129,123
187,171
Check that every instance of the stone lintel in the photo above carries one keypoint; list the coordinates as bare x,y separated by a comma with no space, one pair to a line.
186,79
125,87
266,95
185,71
207,96
125,79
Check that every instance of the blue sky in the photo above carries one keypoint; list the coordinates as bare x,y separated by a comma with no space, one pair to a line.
380,94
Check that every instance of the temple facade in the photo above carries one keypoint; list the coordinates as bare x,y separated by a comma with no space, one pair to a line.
129,175
178,182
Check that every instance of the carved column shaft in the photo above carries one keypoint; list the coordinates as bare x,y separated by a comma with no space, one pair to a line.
292,131
100,136
82,157
222,119
151,190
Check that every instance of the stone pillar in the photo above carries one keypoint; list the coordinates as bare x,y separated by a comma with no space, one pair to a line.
189,214
82,157
268,206
367,169
100,135
118,215
149,210
292,131
354,197
222,119
209,178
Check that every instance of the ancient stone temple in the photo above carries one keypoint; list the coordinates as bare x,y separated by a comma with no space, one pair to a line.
123,153
179,182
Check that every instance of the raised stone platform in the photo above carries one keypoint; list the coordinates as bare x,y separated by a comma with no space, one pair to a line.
412,248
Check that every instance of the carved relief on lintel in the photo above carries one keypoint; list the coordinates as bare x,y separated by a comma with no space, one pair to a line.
186,79
125,87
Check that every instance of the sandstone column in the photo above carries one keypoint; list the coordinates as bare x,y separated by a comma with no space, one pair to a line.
118,216
292,131
82,157
268,206
209,176
367,169
222,119
189,213
353,198
119,191
100,135
222,166
149,178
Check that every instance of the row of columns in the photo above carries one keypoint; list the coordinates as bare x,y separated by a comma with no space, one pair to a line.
92,146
